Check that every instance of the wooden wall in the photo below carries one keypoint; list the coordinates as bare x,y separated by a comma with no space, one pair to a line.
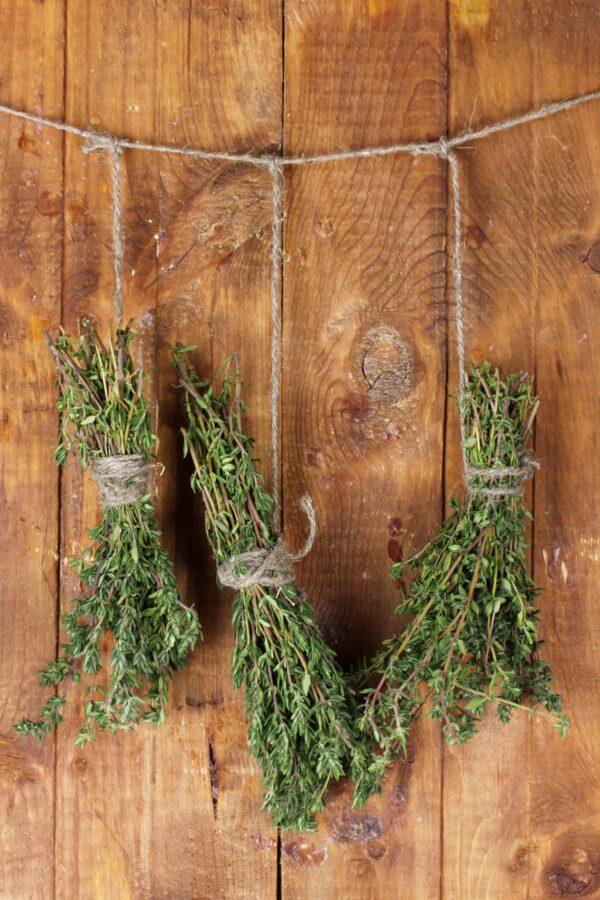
367,425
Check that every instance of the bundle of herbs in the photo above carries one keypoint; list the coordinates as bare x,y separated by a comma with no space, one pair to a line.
299,708
127,581
473,639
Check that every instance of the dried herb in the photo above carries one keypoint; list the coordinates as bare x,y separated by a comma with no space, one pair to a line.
300,711
127,581
473,639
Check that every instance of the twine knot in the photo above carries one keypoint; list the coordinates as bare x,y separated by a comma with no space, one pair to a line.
267,567
441,148
99,141
121,480
482,480
274,165
444,146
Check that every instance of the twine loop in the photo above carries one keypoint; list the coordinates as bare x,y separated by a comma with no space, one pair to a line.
268,567
121,480
483,480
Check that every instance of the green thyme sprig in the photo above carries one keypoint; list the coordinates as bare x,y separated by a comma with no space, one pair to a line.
127,581
473,639
300,711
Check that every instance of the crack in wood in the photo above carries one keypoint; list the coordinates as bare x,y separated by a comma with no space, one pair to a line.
213,770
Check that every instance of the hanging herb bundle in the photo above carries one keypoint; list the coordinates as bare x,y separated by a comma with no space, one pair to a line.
473,639
299,709
127,581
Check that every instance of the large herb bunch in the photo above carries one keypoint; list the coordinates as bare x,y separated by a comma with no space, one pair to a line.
127,581
473,639
299,709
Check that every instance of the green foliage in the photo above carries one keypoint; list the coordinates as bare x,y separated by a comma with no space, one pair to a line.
299,708
127,581
473,639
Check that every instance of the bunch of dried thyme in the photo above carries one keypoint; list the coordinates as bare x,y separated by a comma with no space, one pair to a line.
127,581
299,708
473,639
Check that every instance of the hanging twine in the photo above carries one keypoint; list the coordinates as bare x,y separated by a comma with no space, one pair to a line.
442,148
121,480
268,568
108,143
276,319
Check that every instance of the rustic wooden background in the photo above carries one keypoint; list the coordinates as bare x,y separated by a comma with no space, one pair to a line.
368,429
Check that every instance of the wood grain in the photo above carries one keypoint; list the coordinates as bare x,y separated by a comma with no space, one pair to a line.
367,431
31,75
565,792
528,221
506,59
216,297
363,74
174,813
364,386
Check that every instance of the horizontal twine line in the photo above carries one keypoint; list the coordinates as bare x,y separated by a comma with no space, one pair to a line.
440,148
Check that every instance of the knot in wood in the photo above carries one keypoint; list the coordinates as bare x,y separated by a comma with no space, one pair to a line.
387,364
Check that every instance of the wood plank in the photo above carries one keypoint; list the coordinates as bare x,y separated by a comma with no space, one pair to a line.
364,387
105,797
506,59
486,782
565,792
503,62
174,812
217,297
31,77
210,836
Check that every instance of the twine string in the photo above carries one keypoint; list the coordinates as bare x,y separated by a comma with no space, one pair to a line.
458,291
98,141
482,480
268,567
121,480
419,148
443,148
117,232
276,321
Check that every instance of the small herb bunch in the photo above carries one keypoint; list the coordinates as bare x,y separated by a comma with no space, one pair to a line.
473,639
128,584
299,708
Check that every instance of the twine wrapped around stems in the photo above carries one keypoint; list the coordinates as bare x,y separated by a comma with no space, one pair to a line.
268,567
514,476
121,480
